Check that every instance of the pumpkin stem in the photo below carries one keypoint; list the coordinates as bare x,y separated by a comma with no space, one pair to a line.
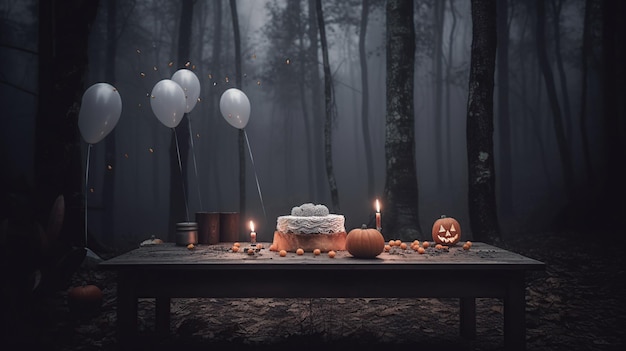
363,226
443,216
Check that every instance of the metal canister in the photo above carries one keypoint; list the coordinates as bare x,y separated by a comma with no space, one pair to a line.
186,233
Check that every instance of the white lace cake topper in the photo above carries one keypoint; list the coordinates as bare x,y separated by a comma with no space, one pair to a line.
309,209
311,219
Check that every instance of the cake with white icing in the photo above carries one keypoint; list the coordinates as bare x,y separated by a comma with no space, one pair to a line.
310,227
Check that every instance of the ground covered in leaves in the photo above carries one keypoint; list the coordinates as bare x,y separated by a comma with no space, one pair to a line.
577,303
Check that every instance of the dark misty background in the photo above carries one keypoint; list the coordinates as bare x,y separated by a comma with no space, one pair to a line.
134,44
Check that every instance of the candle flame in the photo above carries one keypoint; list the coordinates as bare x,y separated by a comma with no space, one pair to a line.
251,226
377,206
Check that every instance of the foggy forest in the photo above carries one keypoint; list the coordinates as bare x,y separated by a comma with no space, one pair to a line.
558,126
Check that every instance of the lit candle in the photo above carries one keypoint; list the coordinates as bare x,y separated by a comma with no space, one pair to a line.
252,233
378,226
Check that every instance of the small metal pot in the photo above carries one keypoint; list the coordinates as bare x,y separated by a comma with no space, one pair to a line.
186,233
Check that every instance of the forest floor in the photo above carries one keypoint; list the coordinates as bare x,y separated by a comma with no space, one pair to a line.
577,303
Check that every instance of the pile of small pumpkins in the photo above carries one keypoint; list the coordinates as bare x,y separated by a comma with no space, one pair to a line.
367,242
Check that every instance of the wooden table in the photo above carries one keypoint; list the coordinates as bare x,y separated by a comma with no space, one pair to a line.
167,271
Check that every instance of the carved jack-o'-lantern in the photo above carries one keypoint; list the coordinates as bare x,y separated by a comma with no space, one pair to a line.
446,231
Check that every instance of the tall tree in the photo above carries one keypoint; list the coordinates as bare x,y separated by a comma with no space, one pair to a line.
239,85
306,116
584,70
367,138
504,118
316,100
449,81
530,88
439,10
63,41
567,168
179,142
556,6
328,103
108,185
216,63
614,76
480,161
288,73
401,218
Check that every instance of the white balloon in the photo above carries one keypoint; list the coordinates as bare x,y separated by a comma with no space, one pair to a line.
235,107
100,110
168,102
191,86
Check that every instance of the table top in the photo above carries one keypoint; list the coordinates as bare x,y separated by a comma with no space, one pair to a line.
480,256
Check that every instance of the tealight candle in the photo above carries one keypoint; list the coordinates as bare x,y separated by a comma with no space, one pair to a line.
252,233
378,226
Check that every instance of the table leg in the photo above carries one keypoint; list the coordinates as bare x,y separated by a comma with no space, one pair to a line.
468,317
514,314
163,315
126,311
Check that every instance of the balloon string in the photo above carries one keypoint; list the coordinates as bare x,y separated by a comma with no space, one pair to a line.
195,165
255,175
87,188
180,167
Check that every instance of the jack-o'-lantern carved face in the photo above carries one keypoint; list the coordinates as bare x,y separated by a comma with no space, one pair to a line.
446,231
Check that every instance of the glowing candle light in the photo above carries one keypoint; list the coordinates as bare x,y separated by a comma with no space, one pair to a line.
378,226
252,233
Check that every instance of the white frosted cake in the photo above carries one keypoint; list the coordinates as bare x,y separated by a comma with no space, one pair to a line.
310,227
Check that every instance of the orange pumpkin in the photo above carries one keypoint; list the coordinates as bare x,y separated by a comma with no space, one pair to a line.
446,231
84,300
365,242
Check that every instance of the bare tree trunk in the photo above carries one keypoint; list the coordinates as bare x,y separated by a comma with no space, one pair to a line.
179,207
367,139
310,154
58,168
585,52
155,183
504,118
307,125
531,89
239,85
449,80
614,76
316,99
567,168
525,82
480,160
214,100
556,13
108,186
328,103
400,204
439,9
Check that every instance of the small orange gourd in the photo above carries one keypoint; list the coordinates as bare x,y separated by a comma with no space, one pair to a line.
365,242
84,300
